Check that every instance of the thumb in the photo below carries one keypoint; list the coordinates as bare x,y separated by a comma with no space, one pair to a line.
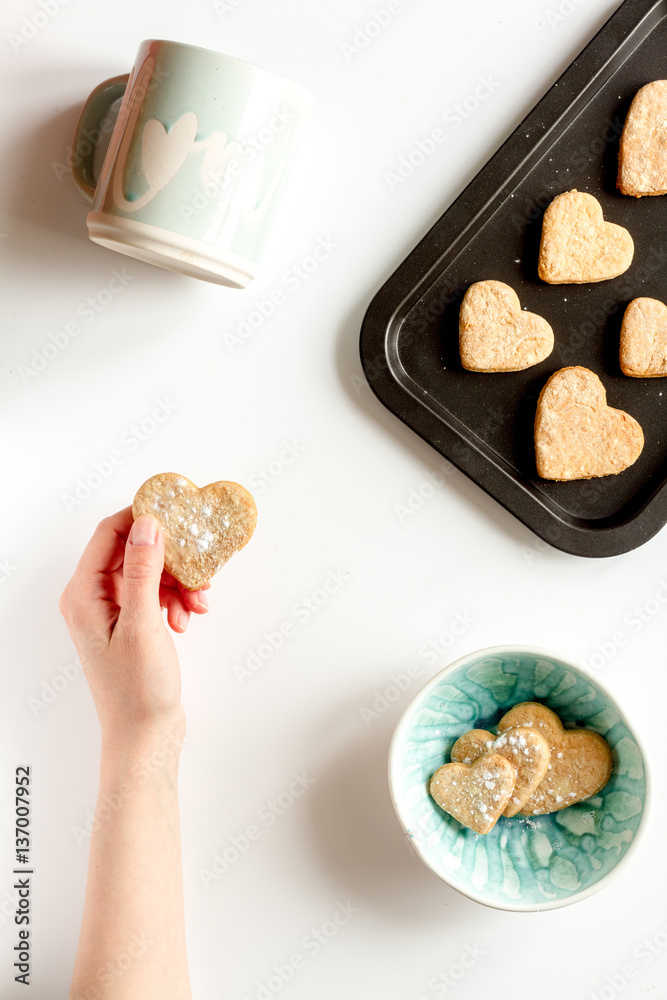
142,570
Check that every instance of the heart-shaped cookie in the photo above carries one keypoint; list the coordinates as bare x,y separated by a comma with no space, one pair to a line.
642,154
203,528
577,436
643,347
495,335
578,245
475,794
525,749
580,760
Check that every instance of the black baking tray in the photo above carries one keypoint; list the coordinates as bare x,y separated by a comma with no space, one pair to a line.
483,423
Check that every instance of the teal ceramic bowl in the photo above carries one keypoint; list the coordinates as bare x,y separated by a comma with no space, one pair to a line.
524,863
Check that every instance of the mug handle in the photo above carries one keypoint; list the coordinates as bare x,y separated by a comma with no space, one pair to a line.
92,113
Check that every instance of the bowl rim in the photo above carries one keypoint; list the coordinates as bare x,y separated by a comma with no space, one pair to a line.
393,763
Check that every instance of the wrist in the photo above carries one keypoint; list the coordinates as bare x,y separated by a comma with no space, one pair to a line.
145,746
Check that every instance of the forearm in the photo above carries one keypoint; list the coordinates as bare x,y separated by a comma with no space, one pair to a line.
132,941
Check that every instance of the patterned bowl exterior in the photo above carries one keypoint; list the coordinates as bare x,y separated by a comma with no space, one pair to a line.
524,863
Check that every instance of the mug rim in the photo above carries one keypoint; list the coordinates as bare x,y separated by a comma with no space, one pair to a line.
232,59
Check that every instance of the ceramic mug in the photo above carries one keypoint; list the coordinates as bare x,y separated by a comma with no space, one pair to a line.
197,162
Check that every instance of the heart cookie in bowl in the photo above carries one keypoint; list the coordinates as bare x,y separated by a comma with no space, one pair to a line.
578,246
642,156
643,347
202,528
495,335
577,435
475,794
580,761
526,750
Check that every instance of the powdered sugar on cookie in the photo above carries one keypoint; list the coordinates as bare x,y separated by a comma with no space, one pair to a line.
203,528
526,750
475,794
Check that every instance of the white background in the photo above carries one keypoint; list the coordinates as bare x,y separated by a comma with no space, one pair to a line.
334,508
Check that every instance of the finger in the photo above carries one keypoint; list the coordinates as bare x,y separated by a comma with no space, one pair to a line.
105,551
180,622
88,596
170,581
177,616
142,569
170,596
194,601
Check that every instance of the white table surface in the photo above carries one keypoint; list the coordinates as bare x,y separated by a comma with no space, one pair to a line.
330,509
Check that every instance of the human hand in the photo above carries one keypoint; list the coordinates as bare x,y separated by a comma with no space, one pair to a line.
112,610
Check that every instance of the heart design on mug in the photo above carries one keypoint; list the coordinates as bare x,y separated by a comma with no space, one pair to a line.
642,155
580,761
495,335
163,153
643,347
578,246
202,528
577,435
525,749
474,794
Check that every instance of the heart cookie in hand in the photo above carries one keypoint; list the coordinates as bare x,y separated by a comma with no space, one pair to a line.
475,794
525,749
495,335
643,348
203,528
577,436
642,154
580,761
578,245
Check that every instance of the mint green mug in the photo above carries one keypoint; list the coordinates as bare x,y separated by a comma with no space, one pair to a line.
197,163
